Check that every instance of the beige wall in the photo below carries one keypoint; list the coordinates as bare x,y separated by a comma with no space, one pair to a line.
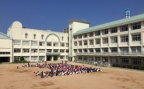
6,46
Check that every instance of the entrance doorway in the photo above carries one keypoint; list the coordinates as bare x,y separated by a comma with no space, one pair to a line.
4,59
55,58
49,58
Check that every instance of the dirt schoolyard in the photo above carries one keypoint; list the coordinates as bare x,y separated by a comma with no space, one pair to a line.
109,78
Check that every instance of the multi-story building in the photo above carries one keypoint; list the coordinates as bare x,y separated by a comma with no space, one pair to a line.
36,45
117,43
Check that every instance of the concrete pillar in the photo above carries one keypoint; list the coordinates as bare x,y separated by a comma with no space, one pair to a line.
109,41
142,39
129,38
52,58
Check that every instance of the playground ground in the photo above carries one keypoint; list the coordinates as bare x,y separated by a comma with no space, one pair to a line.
109,78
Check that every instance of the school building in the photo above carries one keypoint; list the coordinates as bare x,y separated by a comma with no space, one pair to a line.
118,43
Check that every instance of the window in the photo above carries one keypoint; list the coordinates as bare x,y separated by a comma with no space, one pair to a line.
17,42
25,50
80,50
105,59
42,37
49,50
34,36
91,50
105,40
25,43
97,33
85,50
80,36
85,35
125,60
26,35
17,50
34,57
49,43
113,50
80,43
124,28
34,43
4,52
114,30
62,38
75,37
55,44
124,39
91,34
75,50
97,41
85,42
41,44
97,50
67,50
75,43
124,50
136,26
34,50
62,44
133,49
136,61
91,42
136,37
42,51
55,50
136,49
16,57
105,50
62,50
105,31
114,40
97,59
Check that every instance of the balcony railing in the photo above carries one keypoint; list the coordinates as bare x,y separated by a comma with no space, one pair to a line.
112,53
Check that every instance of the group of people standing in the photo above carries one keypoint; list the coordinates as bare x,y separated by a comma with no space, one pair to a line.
63,69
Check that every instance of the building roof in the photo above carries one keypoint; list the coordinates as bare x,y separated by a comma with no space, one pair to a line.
4,36
121,22
80,21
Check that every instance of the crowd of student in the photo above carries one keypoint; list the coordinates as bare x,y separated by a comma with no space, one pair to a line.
63,69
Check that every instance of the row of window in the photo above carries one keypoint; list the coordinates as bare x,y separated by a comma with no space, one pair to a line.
17,50
112,30
35,43
4,52
136,37
35,57
135,61
112,50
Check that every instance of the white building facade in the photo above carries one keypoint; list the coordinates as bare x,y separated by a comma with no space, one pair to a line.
117,43
35,45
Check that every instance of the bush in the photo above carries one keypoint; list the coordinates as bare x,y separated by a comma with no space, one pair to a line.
20,61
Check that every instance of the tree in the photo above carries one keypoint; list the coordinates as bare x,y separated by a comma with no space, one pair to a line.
22,58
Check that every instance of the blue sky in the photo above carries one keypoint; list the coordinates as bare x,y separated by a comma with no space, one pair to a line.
54,14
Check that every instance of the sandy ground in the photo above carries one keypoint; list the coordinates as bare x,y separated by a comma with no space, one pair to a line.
110,78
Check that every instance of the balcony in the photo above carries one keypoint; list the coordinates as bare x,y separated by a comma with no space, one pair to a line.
111,54
53,53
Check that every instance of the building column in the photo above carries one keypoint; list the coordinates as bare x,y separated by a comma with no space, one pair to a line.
129,38
52,58
109,41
